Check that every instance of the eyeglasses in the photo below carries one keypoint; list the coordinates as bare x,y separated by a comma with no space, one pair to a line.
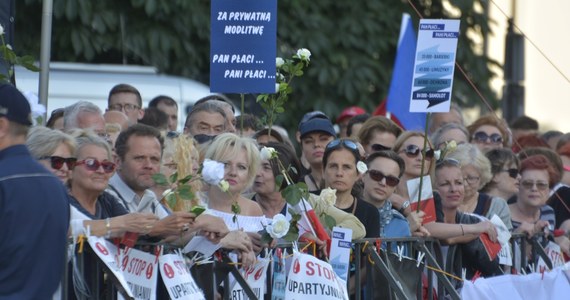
127,107
540,185
482,137
379,147
58,161
204,138
413,151
376,175
471,179
514,173
93,165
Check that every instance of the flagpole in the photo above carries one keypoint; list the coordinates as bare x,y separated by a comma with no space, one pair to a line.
423,162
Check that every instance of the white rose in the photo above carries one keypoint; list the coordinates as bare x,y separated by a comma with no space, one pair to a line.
279,77
437,154
279,227
328,195
304,54
452,145
224,186
268,153
1,30
279,62
165,193
9,46
277,88
212,171
361,167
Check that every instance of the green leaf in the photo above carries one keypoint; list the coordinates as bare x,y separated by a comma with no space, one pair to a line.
266,239
295,192
171,200
160,179
197,210
330,222
279,181
185,179
185,192
173,177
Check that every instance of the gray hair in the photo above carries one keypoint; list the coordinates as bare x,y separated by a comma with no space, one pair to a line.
436,136
470,155
86,137
208,106
71,113
43,141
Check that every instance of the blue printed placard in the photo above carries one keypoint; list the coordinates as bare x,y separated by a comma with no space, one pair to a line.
434,65
243,46
340,251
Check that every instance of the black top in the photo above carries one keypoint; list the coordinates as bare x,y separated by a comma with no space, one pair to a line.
368,215
560,202
107,206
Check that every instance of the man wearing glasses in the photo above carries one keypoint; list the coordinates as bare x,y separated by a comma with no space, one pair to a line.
384,171
126,98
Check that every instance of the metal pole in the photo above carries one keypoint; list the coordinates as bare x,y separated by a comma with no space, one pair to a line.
47,14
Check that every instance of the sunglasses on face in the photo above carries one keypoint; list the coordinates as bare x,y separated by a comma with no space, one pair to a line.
513,173
379,147
376,175
413,151
482,137
93,165
58,161
540,185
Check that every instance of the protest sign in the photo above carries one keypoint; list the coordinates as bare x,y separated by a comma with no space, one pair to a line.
243,46
340,251
255,276
140,271
177,279
108,253
554,253
311,278
434,65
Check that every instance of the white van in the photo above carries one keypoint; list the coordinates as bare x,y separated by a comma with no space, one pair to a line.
72,82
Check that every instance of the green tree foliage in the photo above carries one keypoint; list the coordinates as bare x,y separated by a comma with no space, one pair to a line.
353,43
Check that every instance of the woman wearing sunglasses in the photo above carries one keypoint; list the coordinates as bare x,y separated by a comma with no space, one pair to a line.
410,148
90,203
53,149
341,173
476,170
530,214
505,181
489,132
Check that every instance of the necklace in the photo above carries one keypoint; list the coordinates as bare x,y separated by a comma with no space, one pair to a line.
314,182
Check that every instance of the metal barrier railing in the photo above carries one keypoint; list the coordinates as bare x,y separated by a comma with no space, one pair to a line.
102,284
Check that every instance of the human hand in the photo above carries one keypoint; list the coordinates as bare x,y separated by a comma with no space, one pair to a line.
488,228
175,224
415,219
136,222
237,240
421,232
211,227
255,241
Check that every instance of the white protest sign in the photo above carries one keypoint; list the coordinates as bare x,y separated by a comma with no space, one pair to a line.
140,271
311,278
202,245
108,253
434,65
340,251
554,253
177,278
255,276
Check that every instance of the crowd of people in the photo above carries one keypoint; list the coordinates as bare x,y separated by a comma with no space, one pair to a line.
89,168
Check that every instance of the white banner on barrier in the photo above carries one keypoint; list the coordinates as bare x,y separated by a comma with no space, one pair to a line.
177,278
311,278
108,253
140,271
554,253
255,276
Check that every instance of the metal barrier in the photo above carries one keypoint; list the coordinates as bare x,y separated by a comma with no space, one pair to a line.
102,284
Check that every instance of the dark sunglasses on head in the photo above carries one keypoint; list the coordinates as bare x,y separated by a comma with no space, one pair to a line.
482,137
413,151
378,176
93,165
348,143
379,147
58,161
512,172
528,184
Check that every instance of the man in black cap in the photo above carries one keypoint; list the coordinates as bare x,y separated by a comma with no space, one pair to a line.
34,210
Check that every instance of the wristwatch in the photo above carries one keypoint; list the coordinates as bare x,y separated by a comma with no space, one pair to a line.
405,205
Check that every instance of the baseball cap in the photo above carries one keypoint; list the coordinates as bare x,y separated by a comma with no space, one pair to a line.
317,114
14,106
317,124
350,112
